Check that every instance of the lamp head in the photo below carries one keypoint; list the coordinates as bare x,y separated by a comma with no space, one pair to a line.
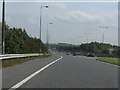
47,6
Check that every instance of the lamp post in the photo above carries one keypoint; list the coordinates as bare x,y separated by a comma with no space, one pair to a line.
78,41
87,39
40,22
3,27
87,36
47,39
103,33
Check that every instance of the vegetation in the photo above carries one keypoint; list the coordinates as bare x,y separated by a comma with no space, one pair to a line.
17,41
109,60
95,47
100,49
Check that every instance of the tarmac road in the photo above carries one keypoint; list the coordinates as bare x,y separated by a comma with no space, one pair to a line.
68,72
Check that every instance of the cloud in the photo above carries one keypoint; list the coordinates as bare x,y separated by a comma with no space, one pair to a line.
66,18
80,17
85,17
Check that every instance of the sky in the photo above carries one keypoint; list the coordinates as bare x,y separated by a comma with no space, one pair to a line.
71,20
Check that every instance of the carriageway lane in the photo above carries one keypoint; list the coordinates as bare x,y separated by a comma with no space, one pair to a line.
76,72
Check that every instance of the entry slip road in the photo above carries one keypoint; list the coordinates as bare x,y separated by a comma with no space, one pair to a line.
69,72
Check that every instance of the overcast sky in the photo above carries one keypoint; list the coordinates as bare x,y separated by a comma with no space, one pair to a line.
71,20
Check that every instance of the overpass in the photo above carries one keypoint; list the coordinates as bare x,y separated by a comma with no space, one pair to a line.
62,46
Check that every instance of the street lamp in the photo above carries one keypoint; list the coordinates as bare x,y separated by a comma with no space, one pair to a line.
103,33
87,39
3,26
47,39
87,36
40,21
78,37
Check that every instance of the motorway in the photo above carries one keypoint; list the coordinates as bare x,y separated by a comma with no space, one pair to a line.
68,72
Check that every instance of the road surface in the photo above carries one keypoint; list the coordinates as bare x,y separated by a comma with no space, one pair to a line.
68,72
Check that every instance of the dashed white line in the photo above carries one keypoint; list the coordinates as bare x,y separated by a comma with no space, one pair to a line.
32,75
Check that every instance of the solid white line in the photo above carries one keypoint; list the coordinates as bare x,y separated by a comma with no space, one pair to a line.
55,53
32,75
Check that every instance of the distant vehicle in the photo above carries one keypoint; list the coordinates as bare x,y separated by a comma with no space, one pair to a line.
90,55
74,54
68,53
78,53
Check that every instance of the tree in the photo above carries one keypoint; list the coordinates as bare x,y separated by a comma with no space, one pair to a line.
18,41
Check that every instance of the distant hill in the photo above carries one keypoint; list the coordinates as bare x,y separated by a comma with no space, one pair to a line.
18,41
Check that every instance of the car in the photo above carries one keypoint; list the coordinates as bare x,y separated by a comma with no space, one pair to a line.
78,53
90,55
68,53
75,54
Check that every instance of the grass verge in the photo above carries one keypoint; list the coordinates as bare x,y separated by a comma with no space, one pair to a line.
109,60
12,62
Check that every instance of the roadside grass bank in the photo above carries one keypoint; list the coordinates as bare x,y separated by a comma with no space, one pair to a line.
15,61
110,60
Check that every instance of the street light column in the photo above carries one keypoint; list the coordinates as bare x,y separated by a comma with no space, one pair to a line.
47,36
87,36
103,33
3,27
103,38
40,25
40,20
47,39
87,39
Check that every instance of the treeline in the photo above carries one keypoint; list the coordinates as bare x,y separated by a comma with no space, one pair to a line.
17,41
100,48
93,47
96,47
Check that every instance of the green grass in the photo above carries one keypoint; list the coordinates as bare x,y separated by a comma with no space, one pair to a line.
12,62
109,60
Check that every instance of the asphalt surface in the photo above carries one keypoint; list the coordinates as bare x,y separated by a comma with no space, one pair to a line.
69,72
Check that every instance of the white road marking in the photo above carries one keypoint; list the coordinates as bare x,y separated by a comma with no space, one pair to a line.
32,75
54,53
